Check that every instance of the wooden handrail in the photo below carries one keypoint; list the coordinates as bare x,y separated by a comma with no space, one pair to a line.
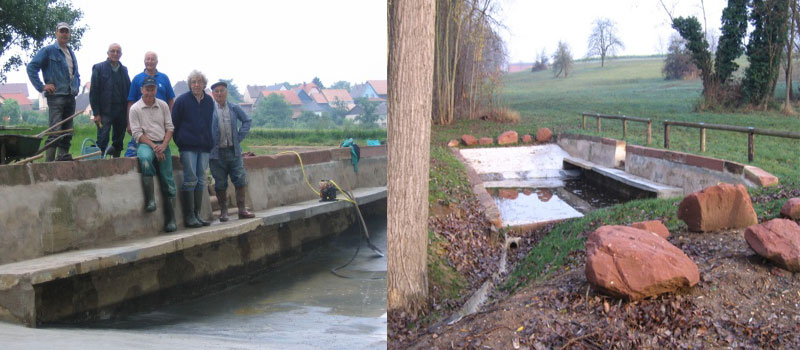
749,130
624,119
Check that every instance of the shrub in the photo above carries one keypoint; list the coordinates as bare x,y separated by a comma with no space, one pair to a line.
501,115
679,64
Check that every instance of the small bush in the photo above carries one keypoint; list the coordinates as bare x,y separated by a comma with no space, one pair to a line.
501,115
678,64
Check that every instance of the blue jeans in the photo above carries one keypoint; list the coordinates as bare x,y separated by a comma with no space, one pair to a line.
147,158
228,164
194,170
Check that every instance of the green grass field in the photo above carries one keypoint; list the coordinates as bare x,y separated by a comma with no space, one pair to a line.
635,87
256,137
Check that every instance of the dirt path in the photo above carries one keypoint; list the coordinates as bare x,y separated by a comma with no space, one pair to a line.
741,302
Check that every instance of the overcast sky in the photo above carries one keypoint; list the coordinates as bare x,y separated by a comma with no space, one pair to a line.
271,41
253,42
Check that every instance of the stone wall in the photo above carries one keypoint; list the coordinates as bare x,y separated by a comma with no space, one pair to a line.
48,208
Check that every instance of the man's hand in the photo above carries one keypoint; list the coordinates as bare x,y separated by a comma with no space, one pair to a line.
160,147
160,155
98,121
50,88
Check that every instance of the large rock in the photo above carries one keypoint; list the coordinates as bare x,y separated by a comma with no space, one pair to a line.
544,135
654,226
635,264
791,209
718,207
508,138
469,140
527,138
485,141
452,143
777,240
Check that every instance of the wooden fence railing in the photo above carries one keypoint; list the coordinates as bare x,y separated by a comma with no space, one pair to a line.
624,119
749,130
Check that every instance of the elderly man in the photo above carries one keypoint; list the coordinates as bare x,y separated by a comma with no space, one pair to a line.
152,128
226,156
108,98
192,116
164,90
61,84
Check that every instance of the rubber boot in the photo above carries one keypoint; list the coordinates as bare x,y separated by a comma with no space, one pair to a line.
62,152
149,198
240,202
50,154
189,218
222,199
169,214
198,204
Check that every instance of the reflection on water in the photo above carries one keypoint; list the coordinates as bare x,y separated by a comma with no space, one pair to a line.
300,305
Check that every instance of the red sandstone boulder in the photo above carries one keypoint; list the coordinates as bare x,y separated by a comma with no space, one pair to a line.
777,240
468,140
654,226
508,138
759,176
718,207
452,143
635,264
544,135
527,138
791,209
508,193
485,141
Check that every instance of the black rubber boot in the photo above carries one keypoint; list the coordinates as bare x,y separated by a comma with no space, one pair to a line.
241,192
189,218
198,204
149,197
169,215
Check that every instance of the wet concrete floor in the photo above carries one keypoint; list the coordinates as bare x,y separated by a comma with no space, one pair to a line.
301,305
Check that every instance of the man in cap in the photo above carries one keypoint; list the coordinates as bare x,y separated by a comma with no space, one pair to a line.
59,69
225,159
109,97
164,90
151,126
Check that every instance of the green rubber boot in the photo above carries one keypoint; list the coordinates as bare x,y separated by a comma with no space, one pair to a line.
189,218
149,197
169,215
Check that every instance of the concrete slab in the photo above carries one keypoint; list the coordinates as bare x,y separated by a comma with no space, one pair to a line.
68,264
525,162
661,190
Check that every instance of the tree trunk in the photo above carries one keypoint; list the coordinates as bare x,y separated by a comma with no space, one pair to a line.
411,50
787,104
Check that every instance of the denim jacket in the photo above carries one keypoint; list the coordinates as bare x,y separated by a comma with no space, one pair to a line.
238,133
51,61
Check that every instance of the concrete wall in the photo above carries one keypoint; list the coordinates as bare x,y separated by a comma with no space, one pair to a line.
599,150
687,171
48,208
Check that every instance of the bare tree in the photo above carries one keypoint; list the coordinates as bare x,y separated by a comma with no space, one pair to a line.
562,60
411,56
787,104
603,40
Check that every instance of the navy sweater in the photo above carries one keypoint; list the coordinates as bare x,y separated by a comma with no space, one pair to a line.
192,122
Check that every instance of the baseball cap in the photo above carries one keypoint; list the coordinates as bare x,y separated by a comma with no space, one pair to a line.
149,81
62,25
218,84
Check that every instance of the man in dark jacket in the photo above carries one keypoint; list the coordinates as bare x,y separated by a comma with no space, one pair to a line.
192,115
59,69
109,99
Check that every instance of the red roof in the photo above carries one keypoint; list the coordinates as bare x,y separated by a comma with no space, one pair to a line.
319,98
379,86
288,95
333,94
21,99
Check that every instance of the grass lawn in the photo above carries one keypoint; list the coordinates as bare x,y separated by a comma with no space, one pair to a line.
633,87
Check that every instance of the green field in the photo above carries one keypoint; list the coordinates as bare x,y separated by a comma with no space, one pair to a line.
635,87
256,137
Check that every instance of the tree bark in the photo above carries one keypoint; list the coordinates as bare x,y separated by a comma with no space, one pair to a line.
787,104
411,58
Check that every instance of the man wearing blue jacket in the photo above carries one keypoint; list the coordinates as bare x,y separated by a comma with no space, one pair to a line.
226,156
59,69
192,116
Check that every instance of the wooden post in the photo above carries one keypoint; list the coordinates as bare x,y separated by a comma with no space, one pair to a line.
649,132
624,128
702,139
599,129
751,148
666,136
584,121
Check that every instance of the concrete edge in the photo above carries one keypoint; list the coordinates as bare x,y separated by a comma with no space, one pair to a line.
490,208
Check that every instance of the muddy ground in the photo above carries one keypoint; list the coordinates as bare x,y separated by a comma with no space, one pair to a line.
741,302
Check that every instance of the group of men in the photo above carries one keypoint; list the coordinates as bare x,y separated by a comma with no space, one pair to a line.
207,131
